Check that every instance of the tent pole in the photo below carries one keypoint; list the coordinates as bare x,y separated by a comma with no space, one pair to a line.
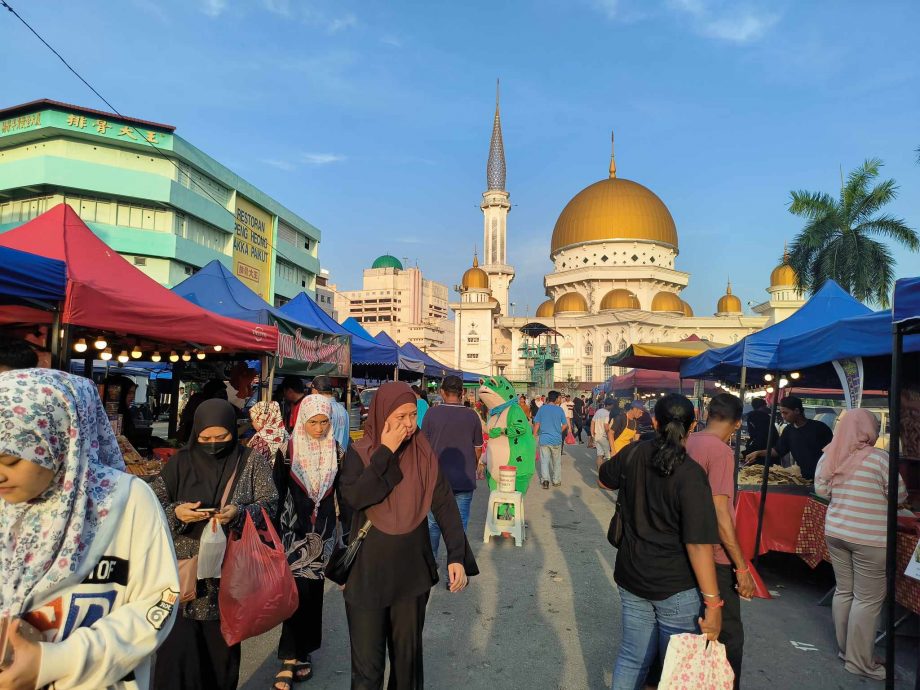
174,400
894,456
771,432
88,365
738,433
396,373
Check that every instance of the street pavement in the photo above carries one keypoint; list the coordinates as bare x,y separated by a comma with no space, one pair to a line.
546,615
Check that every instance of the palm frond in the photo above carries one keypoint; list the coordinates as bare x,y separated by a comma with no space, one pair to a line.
880,195
895,228
812,205
878,269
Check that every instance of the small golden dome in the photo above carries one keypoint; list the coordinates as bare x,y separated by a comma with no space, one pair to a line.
475,278
729,304
667,301
571,302
546,310
620,299
688,310
783,275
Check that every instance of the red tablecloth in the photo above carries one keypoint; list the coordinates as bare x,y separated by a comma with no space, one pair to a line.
781,520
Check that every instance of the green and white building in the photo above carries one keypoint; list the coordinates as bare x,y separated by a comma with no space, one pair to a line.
152,196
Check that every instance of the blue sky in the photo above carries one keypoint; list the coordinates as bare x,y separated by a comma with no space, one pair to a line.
372,119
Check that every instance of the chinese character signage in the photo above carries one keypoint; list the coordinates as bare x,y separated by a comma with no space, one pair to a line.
252,248
94,125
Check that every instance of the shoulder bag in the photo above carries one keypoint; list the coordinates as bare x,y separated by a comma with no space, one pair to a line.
616,528
343,558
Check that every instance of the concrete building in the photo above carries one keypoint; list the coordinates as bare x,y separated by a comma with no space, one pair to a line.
152,196
399,301
325,297
615,281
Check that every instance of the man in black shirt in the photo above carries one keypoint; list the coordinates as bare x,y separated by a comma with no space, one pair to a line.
758,422
578,416
804,438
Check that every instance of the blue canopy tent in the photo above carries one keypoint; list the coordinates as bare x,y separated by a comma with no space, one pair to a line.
431,364
756,351
407,360
302,348
29,278
364,351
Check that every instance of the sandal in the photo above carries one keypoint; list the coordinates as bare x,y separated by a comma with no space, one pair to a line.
303,672
282,679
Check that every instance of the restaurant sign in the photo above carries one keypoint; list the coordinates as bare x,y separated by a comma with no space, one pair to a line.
252,248
312,353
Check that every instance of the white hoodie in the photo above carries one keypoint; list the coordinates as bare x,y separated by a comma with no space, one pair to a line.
102,633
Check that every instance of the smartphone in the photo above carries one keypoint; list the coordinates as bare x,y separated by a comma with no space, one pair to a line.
208,511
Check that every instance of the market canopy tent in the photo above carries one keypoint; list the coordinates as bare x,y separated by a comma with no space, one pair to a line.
27,277
756,351
407,360
302,349
364,352
644,380
661,356
432,366
106,293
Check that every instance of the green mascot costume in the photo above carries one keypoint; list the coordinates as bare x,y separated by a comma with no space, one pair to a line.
511,440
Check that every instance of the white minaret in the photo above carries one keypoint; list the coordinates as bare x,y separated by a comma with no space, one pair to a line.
495,206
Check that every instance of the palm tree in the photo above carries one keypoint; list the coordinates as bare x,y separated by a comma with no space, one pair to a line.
839,241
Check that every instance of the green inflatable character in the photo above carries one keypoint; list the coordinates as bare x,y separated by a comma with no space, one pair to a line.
511,439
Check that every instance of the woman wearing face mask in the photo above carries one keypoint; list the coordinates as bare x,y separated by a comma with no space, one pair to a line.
75,528
392,478
191,489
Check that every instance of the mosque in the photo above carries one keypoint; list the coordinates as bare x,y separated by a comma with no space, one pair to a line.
614,282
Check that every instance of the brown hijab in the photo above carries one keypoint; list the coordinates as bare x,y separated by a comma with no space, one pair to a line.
408,504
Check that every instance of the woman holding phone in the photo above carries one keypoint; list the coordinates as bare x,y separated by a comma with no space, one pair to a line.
191,489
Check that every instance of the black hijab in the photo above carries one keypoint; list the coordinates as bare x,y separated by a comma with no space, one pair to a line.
194,474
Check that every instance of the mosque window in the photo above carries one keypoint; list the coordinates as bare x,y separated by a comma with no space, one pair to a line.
608,371
608,347
605,258
589,349
634,258
585,260
589,372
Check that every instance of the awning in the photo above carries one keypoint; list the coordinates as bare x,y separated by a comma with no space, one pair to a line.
407,361
906,299
30,277
661,356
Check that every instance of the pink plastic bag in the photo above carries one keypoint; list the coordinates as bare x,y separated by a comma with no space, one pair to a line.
694,663
570,439
257,589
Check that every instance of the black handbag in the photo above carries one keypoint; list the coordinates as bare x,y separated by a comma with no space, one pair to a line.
343,558
615,530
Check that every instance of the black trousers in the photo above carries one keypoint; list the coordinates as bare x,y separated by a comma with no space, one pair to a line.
302,633
732,635
195,657
397,629
579,424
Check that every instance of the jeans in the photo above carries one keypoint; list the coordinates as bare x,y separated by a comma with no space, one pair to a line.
551,464
463,498
647,629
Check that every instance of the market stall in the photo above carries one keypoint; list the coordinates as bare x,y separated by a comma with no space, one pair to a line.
661,356
30,279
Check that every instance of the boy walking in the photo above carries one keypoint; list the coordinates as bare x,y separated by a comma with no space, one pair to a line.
550,427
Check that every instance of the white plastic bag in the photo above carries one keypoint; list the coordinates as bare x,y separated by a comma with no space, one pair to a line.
211,549
694,663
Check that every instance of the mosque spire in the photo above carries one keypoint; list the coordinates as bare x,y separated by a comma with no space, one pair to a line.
728,288
613,163
495,169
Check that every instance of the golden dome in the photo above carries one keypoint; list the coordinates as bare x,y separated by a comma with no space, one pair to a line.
475,278
688,310
667,301
614,209
570,302
783,275
546,310
729,304
619,299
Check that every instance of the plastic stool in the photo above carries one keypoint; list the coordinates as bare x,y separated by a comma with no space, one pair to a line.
499,518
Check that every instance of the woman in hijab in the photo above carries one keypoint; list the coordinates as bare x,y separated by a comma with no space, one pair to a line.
392,478
307,487
271,437
192,489
74,527
853,474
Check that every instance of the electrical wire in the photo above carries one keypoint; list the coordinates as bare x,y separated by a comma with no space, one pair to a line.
158,150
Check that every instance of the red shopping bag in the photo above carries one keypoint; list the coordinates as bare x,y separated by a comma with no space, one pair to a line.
694,663
570,439
257,589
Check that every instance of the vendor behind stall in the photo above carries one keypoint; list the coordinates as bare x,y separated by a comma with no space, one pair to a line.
804,438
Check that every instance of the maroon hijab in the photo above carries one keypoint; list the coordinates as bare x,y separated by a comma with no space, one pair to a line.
409,503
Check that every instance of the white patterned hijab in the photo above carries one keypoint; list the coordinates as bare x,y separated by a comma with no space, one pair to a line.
314,462
57,421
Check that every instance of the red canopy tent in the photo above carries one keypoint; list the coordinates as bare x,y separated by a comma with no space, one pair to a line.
653,381
107,293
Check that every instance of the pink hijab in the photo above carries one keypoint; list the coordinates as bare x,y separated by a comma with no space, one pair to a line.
854,438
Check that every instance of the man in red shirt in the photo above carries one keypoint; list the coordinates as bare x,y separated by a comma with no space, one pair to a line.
710,449
293,391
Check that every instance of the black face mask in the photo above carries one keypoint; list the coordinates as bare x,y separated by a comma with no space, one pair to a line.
219,449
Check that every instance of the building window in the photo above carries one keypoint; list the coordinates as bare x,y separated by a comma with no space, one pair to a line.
589,372
608,371
608,347
589,349
472,355
472,341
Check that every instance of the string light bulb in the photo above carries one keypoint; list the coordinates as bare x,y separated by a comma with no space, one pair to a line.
136,352
768,377
218,348
770,389
199,354
100,343
173,357
186,356
795,376
80,345
155,357
783,383
123,356
106,354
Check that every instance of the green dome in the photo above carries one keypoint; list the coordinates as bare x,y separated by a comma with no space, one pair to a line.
387,261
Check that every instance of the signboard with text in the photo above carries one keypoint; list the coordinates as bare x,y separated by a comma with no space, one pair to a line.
252,248
109,127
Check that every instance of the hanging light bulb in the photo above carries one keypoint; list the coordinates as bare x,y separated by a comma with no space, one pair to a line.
173,357
155,357
80,345
768,377
783,383
718,385
106,354
186,356
100,343
770,389
199,354
123,356
795,376
218,348
136,352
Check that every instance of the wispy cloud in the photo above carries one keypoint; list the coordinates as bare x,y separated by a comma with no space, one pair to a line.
336,24
392,41
322,158
287,166
213,8
725,21
311,15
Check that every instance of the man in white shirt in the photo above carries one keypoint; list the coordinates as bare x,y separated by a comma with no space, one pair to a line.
599,431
